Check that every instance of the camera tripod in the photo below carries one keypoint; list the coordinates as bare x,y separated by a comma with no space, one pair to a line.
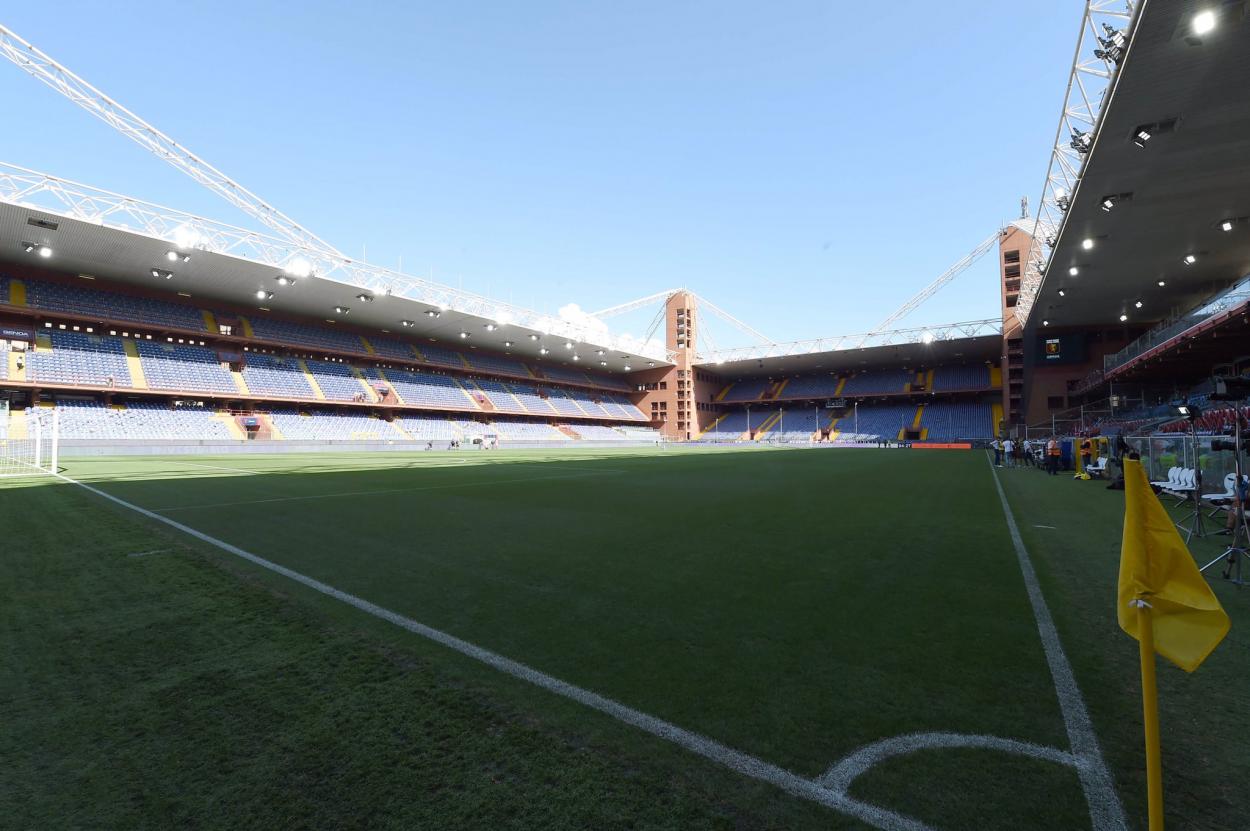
1238,548
1192,525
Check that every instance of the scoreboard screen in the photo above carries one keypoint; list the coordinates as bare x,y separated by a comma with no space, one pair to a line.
1063,349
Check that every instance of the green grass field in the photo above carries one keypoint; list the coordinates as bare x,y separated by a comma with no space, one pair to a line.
792,605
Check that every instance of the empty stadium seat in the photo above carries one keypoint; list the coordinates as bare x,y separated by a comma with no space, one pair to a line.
76,358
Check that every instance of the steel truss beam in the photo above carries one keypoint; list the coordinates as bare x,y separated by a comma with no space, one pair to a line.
1091,85
38,64
895,337
40,191
928,291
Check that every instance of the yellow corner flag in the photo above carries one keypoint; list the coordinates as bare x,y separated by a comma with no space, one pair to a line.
1165,604
1157,568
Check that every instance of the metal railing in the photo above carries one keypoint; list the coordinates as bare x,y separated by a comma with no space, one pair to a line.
1231,298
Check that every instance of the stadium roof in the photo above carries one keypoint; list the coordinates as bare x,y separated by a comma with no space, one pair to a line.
122,239
1171,193
905,350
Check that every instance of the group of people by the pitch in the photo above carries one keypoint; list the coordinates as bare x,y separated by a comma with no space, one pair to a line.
1029,453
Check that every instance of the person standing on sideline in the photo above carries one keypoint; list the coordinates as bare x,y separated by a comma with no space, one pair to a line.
1087,452
1052,456
1027,447
1009,452
998,452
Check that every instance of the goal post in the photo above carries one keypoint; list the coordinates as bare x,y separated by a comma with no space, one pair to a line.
29,442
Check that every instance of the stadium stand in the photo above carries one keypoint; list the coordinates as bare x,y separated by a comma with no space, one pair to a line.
82,300
423,428
811,386
139,420
282,331
440,356
880,421
272,375
516,429
749,390
496,363
532,400
169,366
974,377
499,395
76,358
563,404
875,382
425,389
337,380
796,424
329,425
389,348
596,432
959,420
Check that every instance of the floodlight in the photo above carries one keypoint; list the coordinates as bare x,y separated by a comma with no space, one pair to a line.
1087,243
568,344
1108,202
45,251
1073,271
533,337
1081,141
1141,137
927,337
407,323
1226,225
1045,322
1137,304
176,256
28,247
490,327
1162,283
1062,293
298,267
261,294
284,280
576,358
603,363
162,274
543,351
507,343
598,351
364,297
1204,21
628,367
1123,318
341,310
432,312
1190,259
464,336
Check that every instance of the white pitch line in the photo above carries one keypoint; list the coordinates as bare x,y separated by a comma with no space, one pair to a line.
1051,527
218,467
343,494
710,749
844,773
146,553
1105,811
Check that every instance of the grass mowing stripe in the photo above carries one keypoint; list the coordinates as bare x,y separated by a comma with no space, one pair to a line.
382,491
737,761
1105,810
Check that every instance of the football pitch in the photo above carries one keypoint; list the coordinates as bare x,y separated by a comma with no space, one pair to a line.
642,638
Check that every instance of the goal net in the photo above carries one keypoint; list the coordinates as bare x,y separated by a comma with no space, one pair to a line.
28,442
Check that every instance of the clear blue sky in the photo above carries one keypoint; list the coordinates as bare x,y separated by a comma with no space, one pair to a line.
805,165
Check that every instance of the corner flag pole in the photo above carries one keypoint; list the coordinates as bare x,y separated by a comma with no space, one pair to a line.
1150,713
